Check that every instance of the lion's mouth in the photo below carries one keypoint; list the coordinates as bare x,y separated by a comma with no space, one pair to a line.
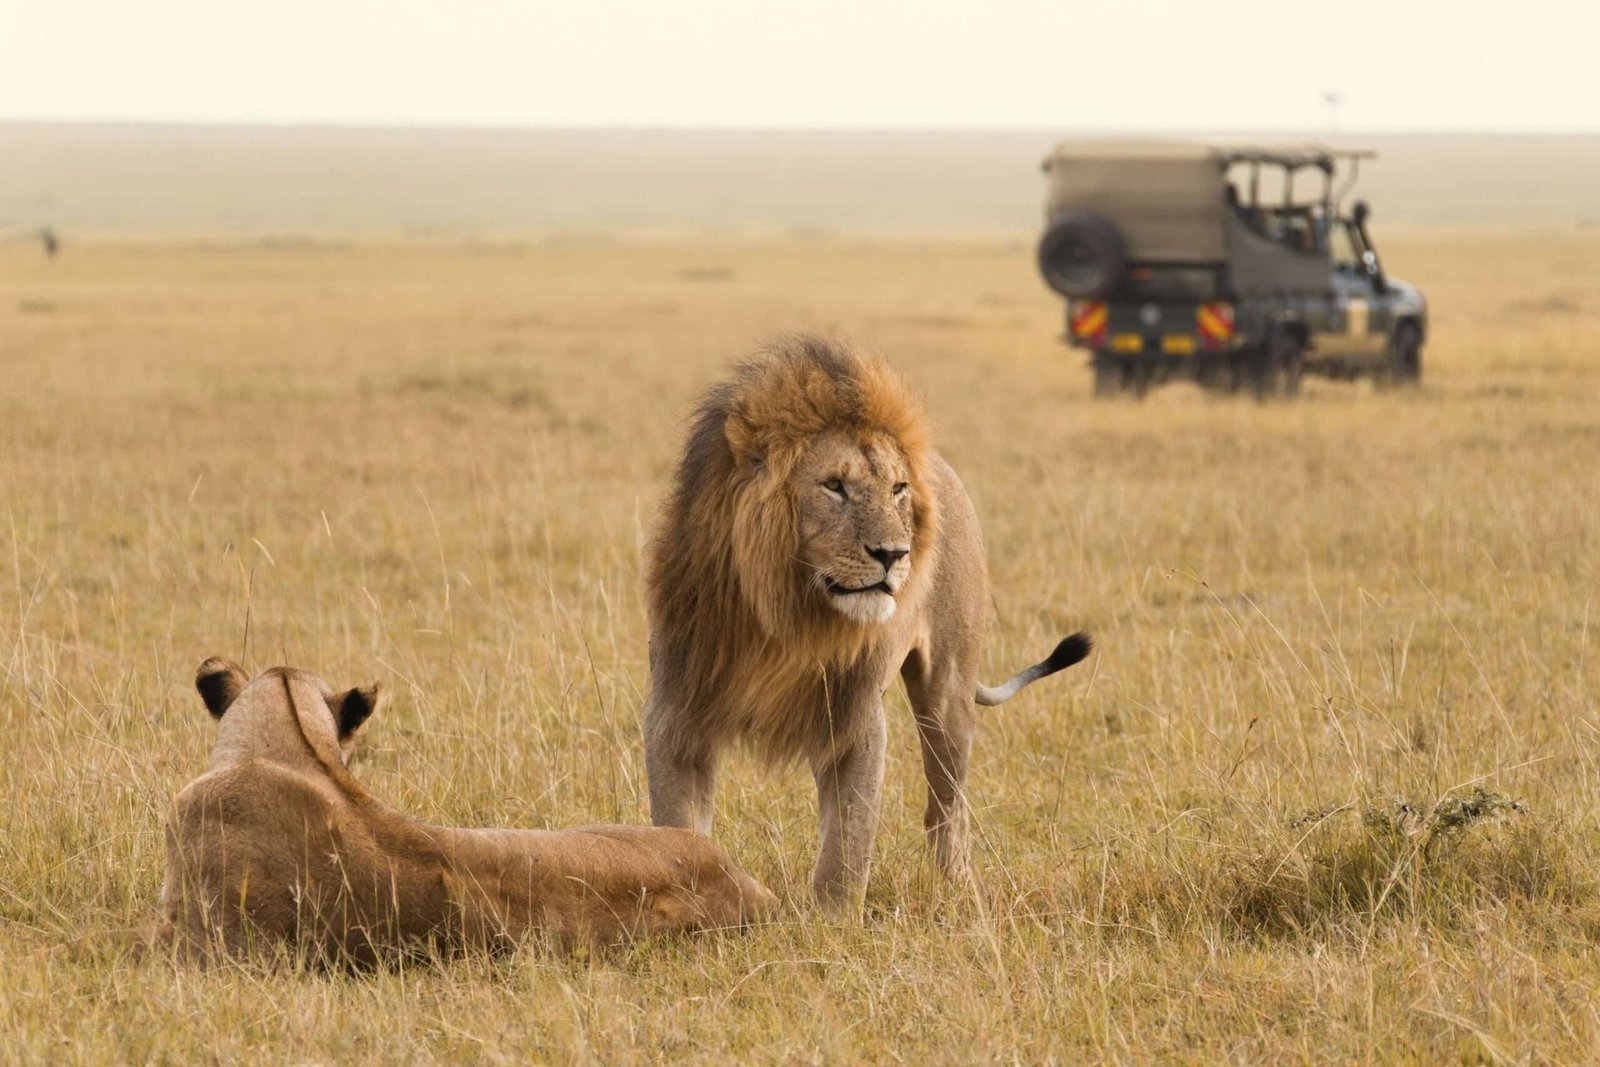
835,589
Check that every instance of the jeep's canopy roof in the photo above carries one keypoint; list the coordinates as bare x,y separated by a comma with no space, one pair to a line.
1166,197
1295,156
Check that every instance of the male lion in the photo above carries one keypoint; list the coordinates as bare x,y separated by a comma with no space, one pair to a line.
278,844
813,545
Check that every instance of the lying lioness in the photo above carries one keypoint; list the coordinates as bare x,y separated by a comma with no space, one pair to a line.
277,844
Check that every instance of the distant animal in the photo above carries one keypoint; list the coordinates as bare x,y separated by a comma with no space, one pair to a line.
814,544
52,244
277,846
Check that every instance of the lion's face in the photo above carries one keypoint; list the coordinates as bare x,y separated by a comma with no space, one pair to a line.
853,501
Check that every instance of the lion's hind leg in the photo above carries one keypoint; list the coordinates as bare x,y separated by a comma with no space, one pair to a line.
941,699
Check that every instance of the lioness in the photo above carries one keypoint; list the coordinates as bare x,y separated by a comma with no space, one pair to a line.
813,545
278,844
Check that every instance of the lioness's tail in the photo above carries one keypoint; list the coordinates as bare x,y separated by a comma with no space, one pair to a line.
1069,651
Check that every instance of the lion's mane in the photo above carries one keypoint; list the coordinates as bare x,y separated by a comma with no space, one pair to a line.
736,624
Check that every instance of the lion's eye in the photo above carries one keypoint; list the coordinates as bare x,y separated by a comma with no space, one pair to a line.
900,488
834,486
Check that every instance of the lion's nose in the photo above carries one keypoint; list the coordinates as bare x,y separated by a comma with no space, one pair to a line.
886,555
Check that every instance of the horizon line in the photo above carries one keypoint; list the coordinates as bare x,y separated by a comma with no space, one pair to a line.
780,128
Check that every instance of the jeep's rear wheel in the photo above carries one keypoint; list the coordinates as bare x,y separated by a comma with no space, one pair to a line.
1290,356
1274,369
1110,377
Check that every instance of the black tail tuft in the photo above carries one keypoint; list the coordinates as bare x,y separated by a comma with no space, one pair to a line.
1072,649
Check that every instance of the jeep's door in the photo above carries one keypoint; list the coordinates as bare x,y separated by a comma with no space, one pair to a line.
1360,319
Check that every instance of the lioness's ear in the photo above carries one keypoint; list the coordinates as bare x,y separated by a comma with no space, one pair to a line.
220,681
354,706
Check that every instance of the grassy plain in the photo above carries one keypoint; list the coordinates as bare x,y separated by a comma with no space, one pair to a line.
435,464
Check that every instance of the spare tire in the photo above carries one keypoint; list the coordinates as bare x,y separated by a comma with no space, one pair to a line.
1082,255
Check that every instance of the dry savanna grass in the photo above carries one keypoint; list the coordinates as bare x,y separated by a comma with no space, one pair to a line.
1327,790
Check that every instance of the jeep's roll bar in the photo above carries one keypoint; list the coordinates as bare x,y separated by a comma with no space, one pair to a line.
1291,160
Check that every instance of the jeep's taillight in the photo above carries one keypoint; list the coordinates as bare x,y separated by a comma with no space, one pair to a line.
1088,320
1215,323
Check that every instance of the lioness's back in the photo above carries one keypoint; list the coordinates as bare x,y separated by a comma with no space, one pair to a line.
259,850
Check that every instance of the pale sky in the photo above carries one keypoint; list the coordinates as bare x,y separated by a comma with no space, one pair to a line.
1114,64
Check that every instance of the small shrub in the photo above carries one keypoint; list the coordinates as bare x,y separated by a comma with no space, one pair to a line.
1400,857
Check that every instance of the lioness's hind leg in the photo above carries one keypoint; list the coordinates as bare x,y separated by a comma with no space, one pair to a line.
942,701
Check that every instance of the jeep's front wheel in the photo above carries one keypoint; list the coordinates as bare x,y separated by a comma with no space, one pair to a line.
1403,360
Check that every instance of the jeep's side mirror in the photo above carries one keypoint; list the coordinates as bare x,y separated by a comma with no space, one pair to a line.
1374,269
1359,212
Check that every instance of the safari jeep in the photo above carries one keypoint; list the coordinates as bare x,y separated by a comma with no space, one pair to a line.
1191,261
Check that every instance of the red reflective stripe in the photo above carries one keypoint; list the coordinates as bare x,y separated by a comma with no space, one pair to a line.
1215,321
1090,319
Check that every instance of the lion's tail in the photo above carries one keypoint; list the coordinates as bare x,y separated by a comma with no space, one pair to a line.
1071,650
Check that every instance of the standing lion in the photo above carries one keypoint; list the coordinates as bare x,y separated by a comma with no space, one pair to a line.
813,545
